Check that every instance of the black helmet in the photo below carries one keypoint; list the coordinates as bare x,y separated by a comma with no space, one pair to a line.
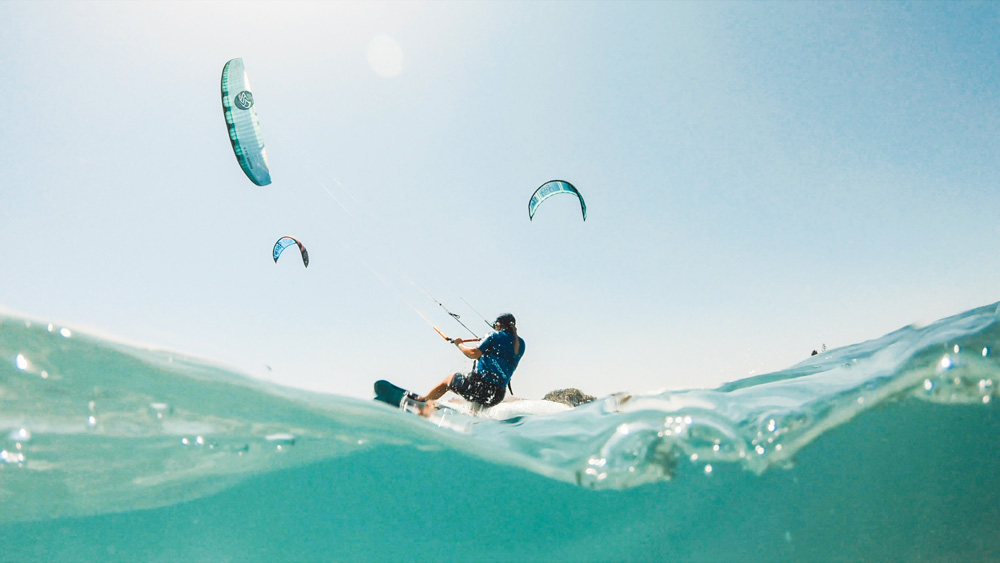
506,321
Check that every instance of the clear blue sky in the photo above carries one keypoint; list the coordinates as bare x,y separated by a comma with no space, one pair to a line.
761,179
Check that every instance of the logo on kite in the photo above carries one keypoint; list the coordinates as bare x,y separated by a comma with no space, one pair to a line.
243,100
244,125
285,242
551,188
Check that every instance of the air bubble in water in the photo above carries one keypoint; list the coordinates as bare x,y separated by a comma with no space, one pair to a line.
11,457
281,440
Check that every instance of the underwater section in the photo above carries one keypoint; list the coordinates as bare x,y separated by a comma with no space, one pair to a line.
90,426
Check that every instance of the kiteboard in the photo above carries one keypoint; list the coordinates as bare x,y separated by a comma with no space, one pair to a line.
406,401
394,395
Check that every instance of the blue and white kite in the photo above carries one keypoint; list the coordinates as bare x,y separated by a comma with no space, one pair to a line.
285,242
243,123
551,188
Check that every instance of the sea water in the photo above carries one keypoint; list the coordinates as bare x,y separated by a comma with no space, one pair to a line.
885,450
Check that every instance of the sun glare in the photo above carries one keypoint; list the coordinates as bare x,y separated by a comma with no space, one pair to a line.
385,56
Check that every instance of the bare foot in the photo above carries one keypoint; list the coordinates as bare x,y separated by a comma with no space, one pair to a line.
428,408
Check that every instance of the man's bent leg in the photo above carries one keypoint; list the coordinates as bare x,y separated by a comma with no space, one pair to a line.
438,391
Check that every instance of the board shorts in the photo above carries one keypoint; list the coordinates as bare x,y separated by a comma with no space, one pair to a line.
478,388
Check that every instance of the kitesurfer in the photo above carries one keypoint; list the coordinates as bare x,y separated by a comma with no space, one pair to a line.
496,359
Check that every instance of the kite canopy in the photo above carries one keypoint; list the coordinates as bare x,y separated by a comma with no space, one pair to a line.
285,242
549,189
243,124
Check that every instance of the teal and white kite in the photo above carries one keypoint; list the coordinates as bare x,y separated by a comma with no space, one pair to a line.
551,188
243,124
285,242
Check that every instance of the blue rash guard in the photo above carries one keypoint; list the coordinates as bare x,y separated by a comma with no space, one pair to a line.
499,361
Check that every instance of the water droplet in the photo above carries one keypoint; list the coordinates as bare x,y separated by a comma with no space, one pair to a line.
771,425
161,410
65,332
11,457
956,348
708,468
21,362
281,438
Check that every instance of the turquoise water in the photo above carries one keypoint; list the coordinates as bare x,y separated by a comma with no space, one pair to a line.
885,450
